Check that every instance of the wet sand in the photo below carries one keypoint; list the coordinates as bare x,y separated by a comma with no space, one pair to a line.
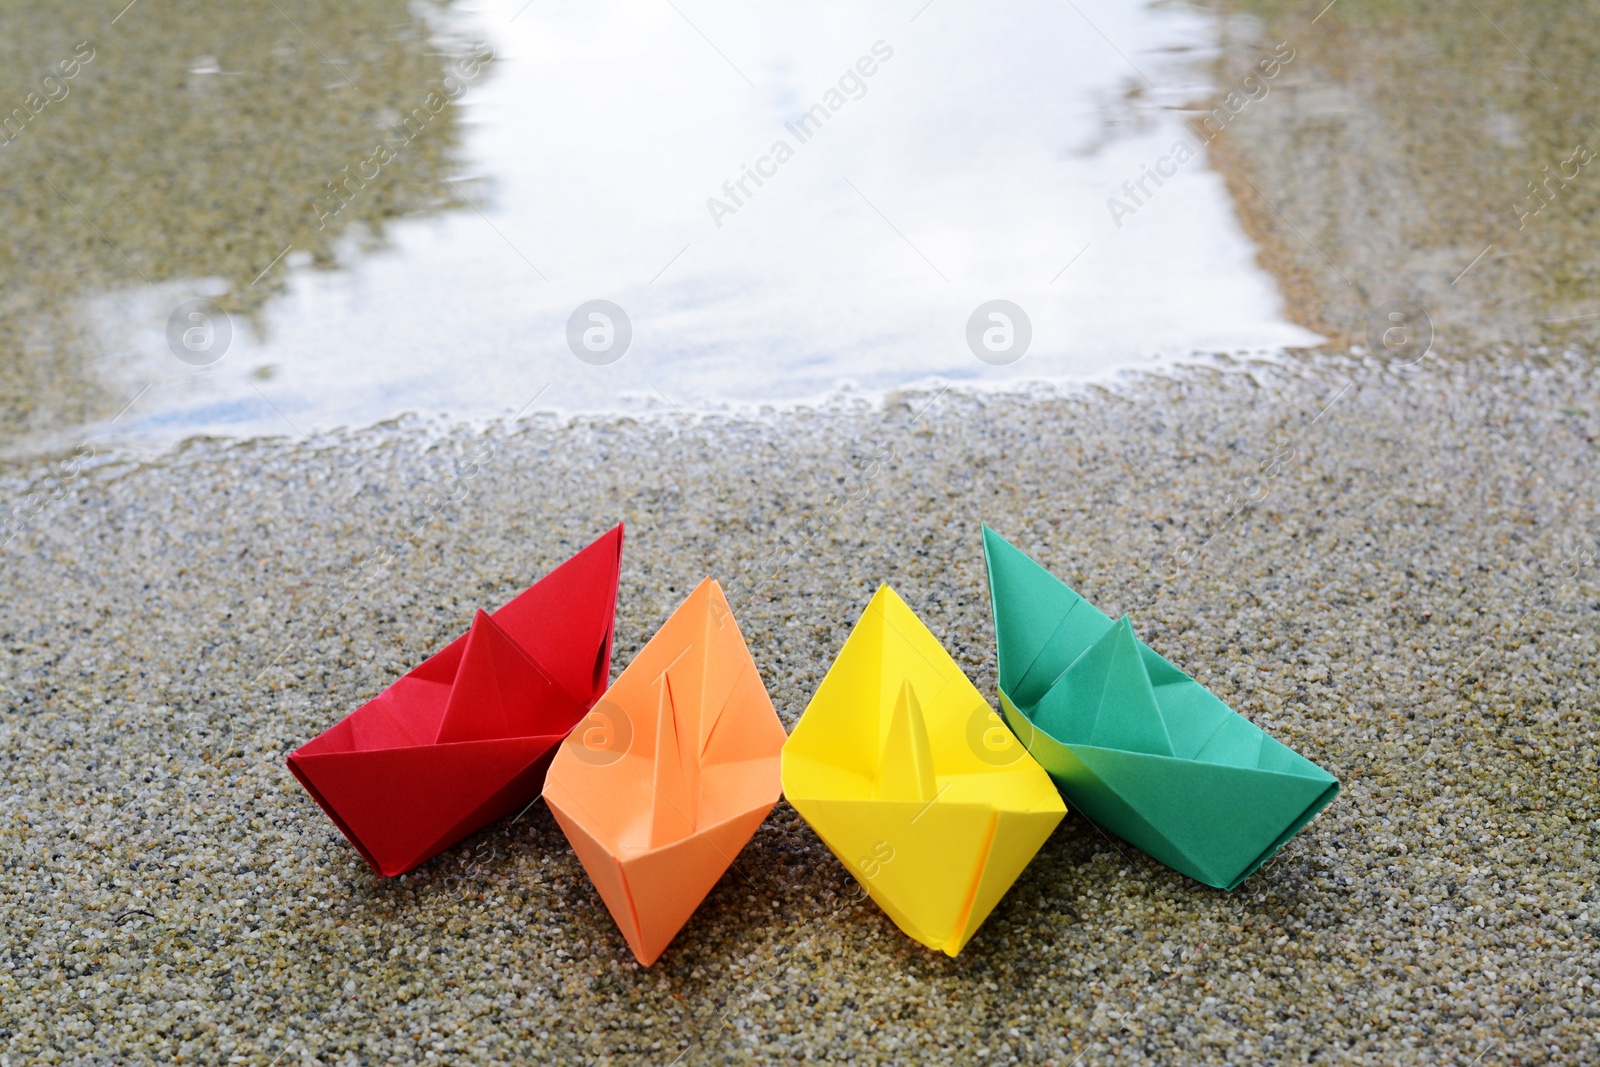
189,150
1432,152
1411,604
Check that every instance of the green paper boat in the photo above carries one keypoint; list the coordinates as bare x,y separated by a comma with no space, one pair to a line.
1136,745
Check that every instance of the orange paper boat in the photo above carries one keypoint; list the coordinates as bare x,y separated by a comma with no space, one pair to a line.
671,773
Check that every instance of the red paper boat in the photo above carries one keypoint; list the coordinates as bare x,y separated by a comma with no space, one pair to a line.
466,737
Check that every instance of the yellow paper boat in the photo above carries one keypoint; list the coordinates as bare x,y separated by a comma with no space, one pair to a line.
907,774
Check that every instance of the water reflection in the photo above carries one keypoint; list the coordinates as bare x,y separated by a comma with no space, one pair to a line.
776,200
1429,152
185,158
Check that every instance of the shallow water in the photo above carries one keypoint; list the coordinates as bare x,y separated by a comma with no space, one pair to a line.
782,203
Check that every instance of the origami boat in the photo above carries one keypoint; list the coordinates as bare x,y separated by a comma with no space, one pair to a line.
905,772
465,737
1136,745
671,774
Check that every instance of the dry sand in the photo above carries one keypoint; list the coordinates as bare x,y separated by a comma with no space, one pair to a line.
1412,604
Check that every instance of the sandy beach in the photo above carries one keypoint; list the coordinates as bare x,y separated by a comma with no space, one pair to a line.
1391,562
1410,603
